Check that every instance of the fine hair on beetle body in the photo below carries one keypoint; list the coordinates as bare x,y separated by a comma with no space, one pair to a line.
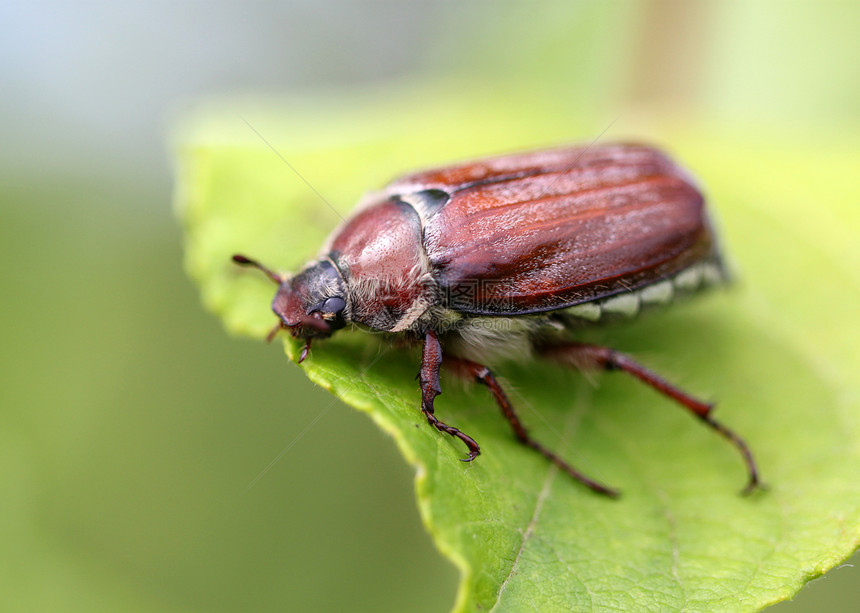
503,258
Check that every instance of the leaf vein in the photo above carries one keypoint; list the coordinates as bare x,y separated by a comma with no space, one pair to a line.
529,531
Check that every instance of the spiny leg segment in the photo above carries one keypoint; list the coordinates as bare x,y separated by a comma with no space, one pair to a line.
479,373
431,361
581,356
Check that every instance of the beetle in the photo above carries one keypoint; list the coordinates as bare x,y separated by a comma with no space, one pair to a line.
504,257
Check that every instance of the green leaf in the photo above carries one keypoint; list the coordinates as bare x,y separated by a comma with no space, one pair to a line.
779,351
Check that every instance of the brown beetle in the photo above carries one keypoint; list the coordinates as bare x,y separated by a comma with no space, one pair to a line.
500,257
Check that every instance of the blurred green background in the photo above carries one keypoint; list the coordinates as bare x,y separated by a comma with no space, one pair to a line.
132,426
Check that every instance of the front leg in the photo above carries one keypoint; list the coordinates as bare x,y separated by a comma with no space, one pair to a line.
431,362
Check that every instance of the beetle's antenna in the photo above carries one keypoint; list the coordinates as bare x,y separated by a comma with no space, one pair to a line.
315,321
243,261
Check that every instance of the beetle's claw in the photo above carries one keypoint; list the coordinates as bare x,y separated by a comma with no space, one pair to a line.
753,486
609,492
472,455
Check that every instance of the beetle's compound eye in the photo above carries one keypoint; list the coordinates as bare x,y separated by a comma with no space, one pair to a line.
334,305
332,312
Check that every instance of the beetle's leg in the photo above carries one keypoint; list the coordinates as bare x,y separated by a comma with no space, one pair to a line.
481,374
431,361
582,355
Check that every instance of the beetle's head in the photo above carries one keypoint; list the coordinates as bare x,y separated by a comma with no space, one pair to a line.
311,304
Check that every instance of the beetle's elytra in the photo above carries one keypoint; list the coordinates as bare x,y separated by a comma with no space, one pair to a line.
500,258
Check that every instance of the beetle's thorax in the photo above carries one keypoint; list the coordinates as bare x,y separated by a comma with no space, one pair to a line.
381,256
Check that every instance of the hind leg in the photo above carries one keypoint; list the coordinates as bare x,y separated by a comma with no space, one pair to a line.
584,356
